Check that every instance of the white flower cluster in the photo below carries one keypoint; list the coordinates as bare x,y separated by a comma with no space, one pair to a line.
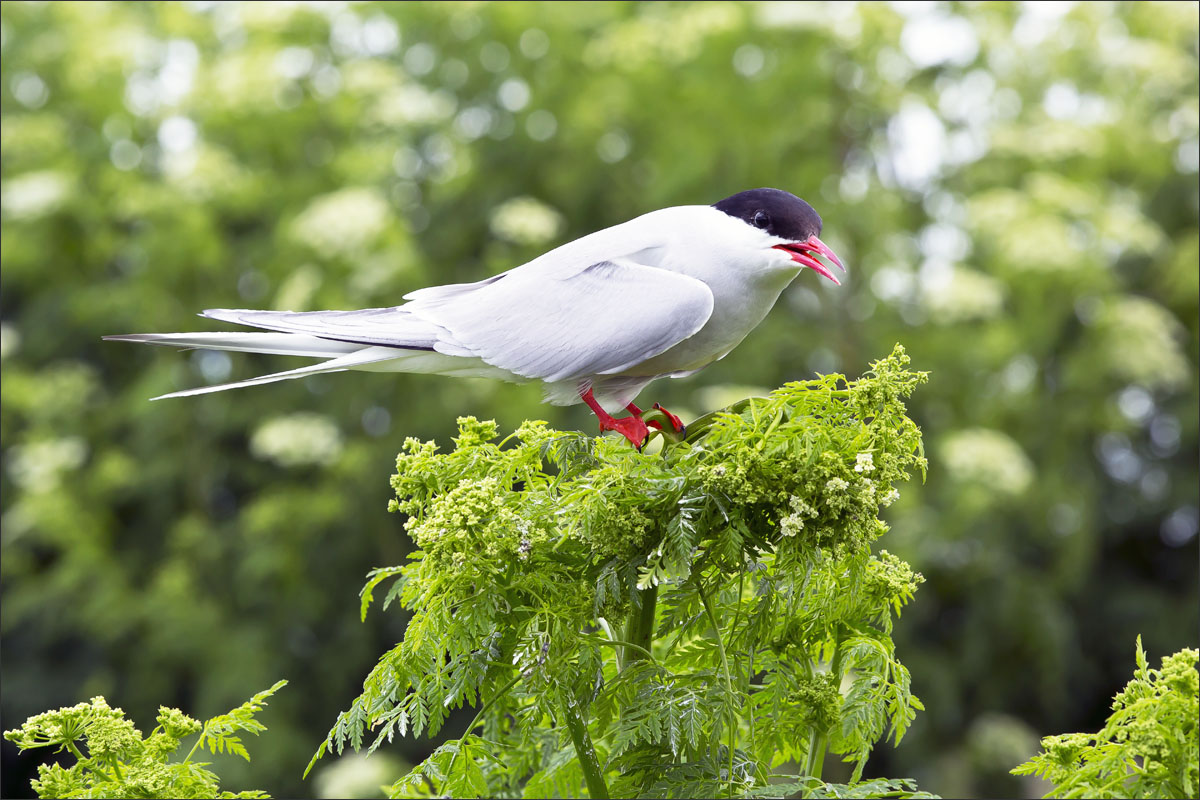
836,485
40,465
297,440
793,523
1140,341
962,296
345,222
889,497
35,194
865,462
989,458
524,220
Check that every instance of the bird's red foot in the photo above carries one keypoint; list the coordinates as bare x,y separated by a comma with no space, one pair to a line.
632,428
676,422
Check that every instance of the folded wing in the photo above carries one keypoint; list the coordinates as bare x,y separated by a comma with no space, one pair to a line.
603,319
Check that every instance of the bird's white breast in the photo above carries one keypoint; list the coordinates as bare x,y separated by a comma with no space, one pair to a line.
738,265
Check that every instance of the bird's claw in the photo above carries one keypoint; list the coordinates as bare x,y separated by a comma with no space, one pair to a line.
632,428
676,422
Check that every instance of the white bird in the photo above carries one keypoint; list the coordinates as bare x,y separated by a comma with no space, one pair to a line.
597,319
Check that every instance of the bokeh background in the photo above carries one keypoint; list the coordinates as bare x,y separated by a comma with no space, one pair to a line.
1013,186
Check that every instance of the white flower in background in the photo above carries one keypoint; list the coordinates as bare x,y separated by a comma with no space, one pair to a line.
207,171
297,439
525,220
241,78
963,295
864,462
297,290
412,104
1139,341
34,194
989,458
669,37
345,222
889,497
38,466
10,340
355,775
868,490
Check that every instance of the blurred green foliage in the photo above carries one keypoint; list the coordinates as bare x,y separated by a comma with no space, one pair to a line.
1013,187
1148,746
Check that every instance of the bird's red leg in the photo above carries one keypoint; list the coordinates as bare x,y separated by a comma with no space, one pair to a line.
632,428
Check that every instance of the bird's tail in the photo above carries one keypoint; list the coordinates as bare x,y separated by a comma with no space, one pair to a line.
339,355
283,344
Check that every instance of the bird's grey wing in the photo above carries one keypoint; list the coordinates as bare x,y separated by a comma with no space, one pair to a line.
603,319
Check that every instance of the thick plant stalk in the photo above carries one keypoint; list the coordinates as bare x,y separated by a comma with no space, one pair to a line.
640,630
712,619
815,760
586,752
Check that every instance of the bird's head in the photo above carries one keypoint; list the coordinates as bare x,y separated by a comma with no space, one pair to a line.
787,224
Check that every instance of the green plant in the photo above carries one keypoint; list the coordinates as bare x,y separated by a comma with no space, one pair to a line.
120,763
1148,748
705,621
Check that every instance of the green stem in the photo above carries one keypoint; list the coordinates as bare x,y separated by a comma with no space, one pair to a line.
503,691
815,761
712,620
640,629
835,663
588,761
87,763
818,740
192,752
70,745
619,643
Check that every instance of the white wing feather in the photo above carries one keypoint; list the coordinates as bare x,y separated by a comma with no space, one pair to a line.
600,320
285,344
355,360
391,327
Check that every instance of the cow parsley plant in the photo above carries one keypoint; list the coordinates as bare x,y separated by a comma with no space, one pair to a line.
710,620
1150,746
119,762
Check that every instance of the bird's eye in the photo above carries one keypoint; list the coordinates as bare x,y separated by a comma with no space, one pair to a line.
761,219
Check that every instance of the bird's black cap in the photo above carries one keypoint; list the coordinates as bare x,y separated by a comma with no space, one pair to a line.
775,211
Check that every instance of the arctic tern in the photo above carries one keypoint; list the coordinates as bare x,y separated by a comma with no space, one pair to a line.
595,320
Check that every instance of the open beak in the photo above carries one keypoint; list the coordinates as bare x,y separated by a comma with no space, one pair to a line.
806,253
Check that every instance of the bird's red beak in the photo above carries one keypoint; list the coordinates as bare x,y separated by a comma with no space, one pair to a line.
806,252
